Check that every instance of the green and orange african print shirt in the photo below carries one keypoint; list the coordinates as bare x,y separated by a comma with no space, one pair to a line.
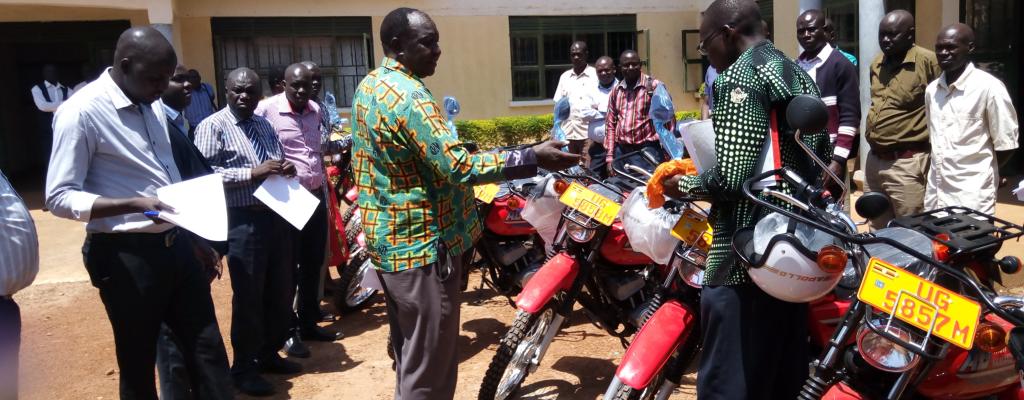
415,179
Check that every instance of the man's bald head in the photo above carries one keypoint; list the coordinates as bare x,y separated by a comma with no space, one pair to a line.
605,68
410,36
896,33
578,54
953,48
811,32
317,77
730,27
298,85
143,64
242,87
396,25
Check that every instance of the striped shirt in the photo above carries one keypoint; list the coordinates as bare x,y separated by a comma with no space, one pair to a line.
628,120
19,243
223,141
201,105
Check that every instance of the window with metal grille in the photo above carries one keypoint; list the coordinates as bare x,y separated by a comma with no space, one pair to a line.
540,48
341,46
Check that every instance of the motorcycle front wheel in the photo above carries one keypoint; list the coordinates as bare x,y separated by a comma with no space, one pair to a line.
515,356
351,295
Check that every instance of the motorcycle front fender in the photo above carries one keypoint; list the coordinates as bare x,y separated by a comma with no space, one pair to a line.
840,391
556,274
655,344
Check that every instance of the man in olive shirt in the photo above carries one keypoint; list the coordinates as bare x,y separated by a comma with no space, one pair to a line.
897,129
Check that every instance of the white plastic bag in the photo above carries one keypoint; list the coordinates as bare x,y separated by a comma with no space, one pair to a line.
649,231
544,213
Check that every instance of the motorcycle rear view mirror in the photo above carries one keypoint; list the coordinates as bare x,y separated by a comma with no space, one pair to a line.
451,107
807,113
872,205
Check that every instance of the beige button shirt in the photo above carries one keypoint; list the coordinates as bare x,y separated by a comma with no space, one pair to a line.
969,121
579,88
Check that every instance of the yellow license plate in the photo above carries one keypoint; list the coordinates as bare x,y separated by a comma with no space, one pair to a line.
590,203
486,192
921,303
690,227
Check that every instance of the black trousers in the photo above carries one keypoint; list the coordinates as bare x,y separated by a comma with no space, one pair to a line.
146,279
259,261
171,368
10,342
597,153
310,251
44,123
755,346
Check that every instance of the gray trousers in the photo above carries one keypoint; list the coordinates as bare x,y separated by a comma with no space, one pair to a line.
423,311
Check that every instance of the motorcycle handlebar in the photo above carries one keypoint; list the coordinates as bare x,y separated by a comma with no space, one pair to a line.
971,284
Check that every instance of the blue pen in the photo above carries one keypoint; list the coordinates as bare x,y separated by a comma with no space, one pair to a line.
151,214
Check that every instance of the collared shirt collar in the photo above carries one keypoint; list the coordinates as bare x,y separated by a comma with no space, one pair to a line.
285,107
587,71
50,85
960,82
610,87
172,114
117,96
234,117
822,55
394,65
909,58
642,82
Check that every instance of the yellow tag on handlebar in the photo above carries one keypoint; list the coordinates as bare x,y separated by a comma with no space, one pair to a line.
485,192
921,303
691,226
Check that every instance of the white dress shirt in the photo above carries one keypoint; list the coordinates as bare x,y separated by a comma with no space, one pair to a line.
19,243
56,97
969,120
579,88
595,129
105,145
811,65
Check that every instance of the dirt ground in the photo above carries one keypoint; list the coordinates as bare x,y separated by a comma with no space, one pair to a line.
68,352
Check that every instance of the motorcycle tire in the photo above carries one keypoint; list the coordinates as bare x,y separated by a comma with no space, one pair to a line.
351,273
527,329
626,392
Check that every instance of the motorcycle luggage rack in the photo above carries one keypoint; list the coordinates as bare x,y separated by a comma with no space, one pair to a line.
574,215
887,319
968,230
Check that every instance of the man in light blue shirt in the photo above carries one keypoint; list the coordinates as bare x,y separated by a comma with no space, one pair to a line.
203,99
19,245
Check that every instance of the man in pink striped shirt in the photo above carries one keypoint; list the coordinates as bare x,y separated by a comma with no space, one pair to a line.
628,125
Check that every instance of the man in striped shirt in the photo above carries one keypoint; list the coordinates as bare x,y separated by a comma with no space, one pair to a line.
628,125
245,149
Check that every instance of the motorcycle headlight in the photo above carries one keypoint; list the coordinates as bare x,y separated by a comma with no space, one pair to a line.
882,353
578,233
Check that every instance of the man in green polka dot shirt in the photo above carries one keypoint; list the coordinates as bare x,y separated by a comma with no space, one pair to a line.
754,345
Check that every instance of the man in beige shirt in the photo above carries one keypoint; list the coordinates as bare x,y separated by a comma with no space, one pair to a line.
973,125
897,129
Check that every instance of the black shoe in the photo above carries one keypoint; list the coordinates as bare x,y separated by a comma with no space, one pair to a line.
326,316
295,348
253,385
274,364
318,334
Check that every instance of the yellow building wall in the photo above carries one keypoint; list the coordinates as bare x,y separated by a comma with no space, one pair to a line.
666,52
195,48
39,13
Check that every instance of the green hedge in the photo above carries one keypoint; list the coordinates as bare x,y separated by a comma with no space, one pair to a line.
507,131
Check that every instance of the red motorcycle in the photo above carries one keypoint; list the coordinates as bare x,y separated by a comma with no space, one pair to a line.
924,320
593,265
349,252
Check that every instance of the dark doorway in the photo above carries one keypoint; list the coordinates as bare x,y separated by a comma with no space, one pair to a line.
998,33
27,46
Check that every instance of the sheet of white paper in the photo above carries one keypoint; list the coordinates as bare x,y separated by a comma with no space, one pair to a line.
1019,191
199,206
699,139
287,198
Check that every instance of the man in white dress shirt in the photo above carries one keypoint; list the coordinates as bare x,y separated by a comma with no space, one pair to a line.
973,127
606,81
19,264
48,96
578,84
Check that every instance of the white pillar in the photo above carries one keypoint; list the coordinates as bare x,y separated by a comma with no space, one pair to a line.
165,29
809,5
871,13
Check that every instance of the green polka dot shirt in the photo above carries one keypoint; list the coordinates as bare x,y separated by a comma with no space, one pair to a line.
759,83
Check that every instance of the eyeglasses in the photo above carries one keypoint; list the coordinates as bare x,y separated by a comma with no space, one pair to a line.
700,45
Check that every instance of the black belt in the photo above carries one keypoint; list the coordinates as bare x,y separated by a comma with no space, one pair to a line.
165,239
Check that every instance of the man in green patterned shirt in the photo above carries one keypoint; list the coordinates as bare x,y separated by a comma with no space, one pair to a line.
415,184
754,345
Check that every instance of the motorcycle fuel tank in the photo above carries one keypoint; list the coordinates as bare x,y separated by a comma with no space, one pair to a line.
617,251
